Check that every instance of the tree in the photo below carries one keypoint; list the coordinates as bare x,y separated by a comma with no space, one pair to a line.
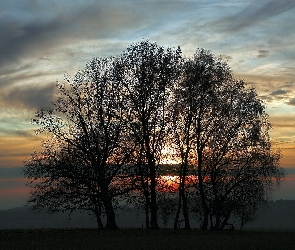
147,72
222,130
112,123
243,188
60,181
88,144
183,110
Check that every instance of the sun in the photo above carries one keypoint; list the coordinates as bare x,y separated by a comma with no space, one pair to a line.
169,156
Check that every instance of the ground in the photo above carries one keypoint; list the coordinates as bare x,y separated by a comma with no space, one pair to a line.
143,239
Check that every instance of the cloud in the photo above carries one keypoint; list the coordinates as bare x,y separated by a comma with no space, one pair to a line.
18,39
28,96
43,27
256,12
15,149
23,133
226,57
7,173
279,92
291,102
262,53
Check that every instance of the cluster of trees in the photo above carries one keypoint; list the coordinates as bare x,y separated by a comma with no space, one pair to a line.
114,124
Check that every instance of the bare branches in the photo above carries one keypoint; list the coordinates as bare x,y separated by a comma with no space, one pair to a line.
112,122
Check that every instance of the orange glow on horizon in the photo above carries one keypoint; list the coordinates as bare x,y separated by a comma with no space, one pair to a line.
170,183
14,150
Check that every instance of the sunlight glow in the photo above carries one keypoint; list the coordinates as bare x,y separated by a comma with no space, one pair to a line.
169,156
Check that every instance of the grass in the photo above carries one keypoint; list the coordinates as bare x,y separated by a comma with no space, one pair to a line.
143,239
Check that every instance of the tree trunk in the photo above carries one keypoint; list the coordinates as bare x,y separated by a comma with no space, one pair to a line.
98,216
185,212
204,204
107,202
225,220
205,220
99,223
111,217
200,177
147,218
183,196
200,183
145,190
177,213
242,223
218,219
154,205
203,198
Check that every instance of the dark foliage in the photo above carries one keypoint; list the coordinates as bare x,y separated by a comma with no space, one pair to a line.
109,131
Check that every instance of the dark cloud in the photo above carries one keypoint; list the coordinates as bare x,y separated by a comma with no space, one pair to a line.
9,77
253,83
16,128
22,133
19,39
37,32
263,53
32,97
288,84
226,57
291,102
279,92
7,173
258,11
266,98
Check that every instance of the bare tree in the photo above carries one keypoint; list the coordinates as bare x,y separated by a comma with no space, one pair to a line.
88,143
221,128
60,181
183,114
147,72
110,125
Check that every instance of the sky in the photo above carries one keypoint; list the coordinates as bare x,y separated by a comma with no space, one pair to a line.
42,40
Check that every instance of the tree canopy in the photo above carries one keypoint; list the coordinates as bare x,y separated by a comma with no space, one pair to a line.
222,130
112,123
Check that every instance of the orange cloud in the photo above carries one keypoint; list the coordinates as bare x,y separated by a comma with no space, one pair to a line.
14,150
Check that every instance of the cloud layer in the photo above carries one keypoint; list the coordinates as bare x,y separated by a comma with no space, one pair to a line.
258,11
45,25
41,40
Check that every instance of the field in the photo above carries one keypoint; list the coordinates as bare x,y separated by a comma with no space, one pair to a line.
143,239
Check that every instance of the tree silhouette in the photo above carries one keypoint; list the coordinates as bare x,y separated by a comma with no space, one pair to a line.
147,73
88,144
111,124
221,129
